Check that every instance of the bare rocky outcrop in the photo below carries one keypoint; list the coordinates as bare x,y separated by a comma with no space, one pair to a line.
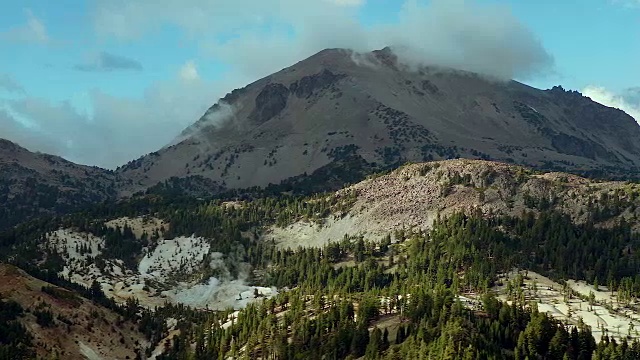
270,102
413,196
309,85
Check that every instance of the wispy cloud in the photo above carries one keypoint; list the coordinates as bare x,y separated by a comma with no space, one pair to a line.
104,62
33,31
632,95
347,2
627,3
8,83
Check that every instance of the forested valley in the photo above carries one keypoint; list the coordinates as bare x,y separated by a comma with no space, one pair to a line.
395,299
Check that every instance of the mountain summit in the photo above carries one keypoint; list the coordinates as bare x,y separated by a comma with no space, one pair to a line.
370,107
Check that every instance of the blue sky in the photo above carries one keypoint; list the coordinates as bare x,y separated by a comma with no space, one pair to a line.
104,81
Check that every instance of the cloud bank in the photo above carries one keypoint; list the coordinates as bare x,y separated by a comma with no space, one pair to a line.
456,33
486,39
255,38
118,130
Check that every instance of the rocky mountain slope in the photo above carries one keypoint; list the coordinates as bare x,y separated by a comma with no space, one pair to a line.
62,322
34,184
338,109
413,196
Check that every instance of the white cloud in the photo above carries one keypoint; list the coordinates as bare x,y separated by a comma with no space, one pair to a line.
455,33
462,34
263,36
119,129
34,31
189,72
628,104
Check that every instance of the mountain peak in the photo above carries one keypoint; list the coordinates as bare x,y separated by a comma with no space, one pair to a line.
338,107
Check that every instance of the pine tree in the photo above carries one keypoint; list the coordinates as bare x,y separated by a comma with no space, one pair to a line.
385,339
400,335
375,344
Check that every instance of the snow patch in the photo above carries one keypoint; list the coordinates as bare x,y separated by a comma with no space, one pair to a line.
231,319
77,249
74,245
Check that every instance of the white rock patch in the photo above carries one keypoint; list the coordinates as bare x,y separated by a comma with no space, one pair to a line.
216,295
549,299
184,254
154,283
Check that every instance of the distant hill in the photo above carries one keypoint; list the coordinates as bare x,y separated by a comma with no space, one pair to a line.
368,112
33,184
414,196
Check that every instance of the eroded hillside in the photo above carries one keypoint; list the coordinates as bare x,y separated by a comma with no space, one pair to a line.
413,196
62,323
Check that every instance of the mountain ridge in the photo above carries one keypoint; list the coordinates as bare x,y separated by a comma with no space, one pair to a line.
35,184
412,197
